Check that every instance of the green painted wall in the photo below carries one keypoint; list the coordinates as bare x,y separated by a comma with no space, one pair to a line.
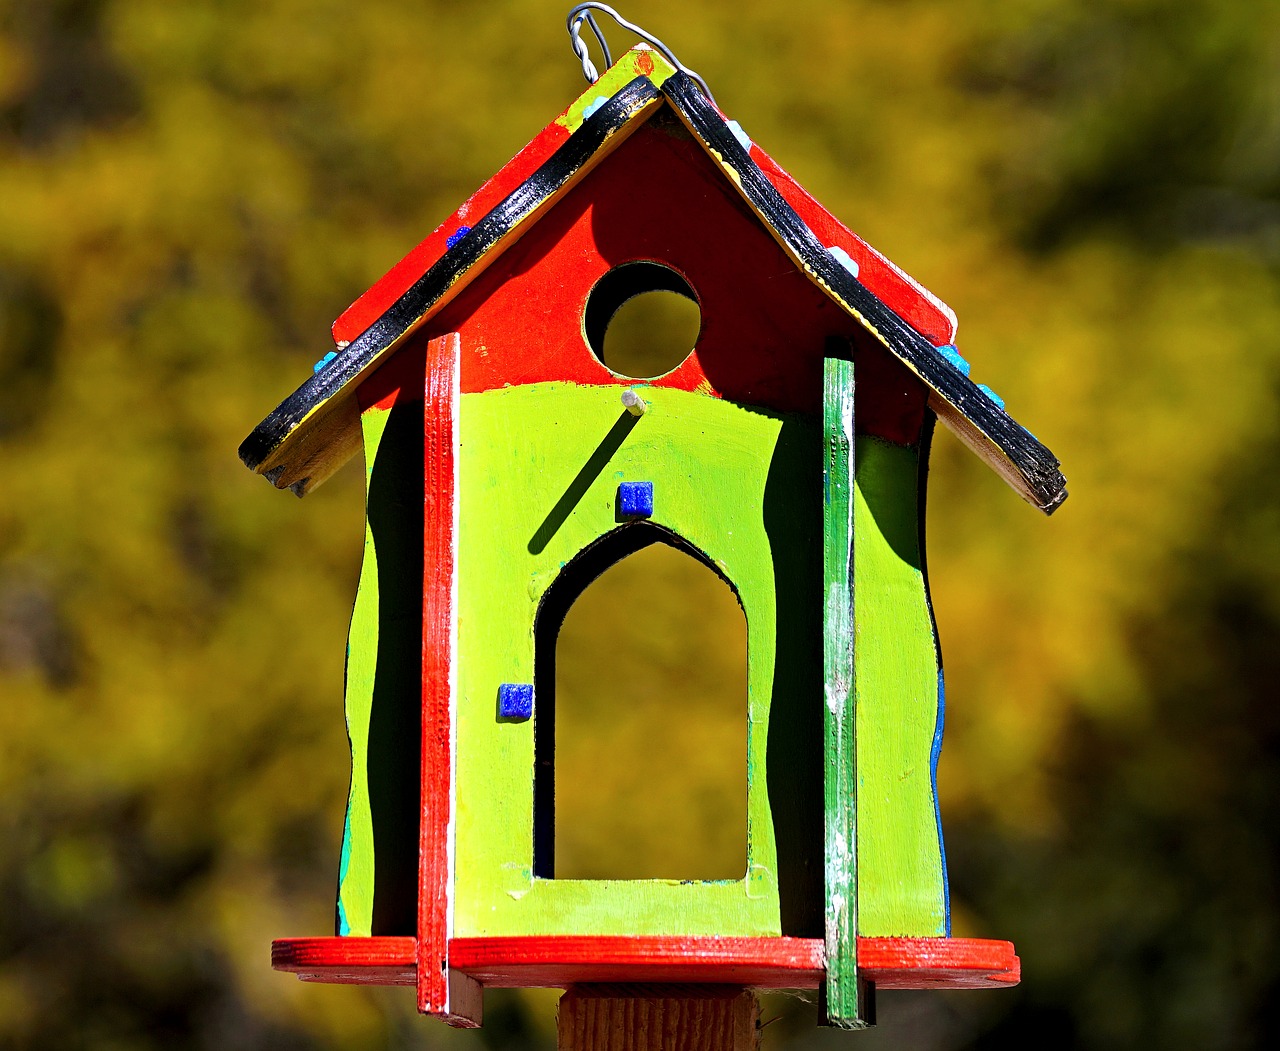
355,874
901,885
631,64
740,485
377,889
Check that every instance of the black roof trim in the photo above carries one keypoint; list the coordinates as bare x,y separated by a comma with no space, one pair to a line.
407,311
1033,462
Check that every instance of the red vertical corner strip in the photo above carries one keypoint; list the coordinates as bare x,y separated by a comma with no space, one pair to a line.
439,687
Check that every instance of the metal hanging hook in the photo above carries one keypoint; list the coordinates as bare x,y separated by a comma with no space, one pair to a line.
580,13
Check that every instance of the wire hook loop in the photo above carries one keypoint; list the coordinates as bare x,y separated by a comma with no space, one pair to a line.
580,13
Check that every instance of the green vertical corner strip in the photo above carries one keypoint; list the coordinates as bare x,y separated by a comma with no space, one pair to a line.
843,1007
356,874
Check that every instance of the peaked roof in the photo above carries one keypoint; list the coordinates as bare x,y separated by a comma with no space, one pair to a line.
316,429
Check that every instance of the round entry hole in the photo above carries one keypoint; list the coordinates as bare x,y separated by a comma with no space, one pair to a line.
642,319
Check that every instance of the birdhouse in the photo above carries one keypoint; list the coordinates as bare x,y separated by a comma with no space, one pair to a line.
508,464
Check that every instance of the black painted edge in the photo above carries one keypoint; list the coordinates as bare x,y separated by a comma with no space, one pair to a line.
1030,458
418,300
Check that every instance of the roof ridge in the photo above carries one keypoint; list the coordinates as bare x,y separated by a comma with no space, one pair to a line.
263,450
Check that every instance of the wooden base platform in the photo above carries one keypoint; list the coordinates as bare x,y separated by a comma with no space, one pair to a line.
562,961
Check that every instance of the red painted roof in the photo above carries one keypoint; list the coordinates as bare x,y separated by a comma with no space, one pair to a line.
898,291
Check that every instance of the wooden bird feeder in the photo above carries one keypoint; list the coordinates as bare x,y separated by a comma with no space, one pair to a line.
508,465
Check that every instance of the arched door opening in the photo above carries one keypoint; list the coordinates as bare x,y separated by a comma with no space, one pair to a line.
641,720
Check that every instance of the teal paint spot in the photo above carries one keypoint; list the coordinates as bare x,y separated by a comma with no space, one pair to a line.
949,351
845,260
935,753
345,861
344,925
593,106
995,398
740,135
324,361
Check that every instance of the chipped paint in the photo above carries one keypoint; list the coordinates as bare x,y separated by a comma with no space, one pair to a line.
953,355
844,259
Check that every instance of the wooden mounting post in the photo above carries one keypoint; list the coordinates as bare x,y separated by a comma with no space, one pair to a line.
658,1018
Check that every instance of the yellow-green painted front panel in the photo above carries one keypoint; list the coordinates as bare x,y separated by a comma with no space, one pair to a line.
522,448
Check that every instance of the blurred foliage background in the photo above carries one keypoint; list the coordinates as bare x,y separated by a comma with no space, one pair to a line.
190,192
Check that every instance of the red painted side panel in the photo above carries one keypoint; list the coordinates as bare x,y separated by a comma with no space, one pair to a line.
539,962
399,381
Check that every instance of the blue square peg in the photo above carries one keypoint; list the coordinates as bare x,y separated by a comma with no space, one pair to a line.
635,499
515,700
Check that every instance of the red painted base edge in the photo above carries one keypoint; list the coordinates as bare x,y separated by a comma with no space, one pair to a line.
560,961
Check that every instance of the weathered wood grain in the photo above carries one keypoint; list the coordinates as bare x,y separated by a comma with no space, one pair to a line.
840,759
558,962
618,1018
902,887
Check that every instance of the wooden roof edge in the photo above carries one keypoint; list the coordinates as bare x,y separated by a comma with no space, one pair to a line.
999,440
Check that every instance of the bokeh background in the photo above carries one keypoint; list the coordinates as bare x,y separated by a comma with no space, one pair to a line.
190,192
